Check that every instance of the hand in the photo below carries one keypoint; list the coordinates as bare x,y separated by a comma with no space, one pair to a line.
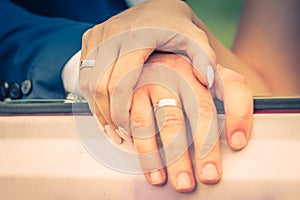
195,101
123,44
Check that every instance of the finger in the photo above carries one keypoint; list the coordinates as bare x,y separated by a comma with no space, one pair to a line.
89,42
171,126
95,104
208,158
238,104
144,136
101,120
84,86
123,79
110,66
85,73
101,98
105,57
90,39
105,128
202,116
136,46
201,55
192,42
89,92
144,40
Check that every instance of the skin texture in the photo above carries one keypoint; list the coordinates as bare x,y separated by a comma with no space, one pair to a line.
208,168
99,84
253,67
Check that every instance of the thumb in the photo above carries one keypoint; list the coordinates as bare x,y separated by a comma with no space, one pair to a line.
232,88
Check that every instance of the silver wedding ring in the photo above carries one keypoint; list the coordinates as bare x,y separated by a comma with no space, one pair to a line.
166,102
87,63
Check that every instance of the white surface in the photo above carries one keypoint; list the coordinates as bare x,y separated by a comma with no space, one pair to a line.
70,74
42,157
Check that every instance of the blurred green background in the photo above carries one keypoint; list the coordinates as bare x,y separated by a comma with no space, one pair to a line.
220,16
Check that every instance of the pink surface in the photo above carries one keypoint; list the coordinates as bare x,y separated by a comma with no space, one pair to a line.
42,157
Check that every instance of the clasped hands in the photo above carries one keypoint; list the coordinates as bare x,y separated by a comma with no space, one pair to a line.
133,72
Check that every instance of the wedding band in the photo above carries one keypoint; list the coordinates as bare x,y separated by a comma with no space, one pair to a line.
87,63
166,102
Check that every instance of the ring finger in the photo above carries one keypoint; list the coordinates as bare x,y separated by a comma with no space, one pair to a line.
171,128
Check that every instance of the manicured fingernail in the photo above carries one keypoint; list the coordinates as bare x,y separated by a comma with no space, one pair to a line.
210,172
156,177
210,76
124,134
184,181
112,133
238,139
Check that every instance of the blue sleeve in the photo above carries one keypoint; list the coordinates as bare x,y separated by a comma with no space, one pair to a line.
36,48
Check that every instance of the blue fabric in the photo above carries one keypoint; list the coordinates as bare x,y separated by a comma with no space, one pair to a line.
39,36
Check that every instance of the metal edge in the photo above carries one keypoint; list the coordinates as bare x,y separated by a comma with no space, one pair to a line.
31,107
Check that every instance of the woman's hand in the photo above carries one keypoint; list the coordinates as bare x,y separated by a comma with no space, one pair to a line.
113,57
171,77
123,44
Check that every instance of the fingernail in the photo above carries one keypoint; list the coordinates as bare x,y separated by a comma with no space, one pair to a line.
124,134
184,181
112,133
238,139
156,177
210,76
210,172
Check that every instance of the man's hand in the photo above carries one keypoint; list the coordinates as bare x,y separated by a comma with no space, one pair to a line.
194,101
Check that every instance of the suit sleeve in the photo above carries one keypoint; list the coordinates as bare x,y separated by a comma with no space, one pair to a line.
35,47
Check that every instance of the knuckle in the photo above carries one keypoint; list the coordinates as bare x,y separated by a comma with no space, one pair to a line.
173,118
184,6
140,119
206,107
238,78
242,79
112,87
92,33
90,39
234,77
98,90
242,116
201,34
87,35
